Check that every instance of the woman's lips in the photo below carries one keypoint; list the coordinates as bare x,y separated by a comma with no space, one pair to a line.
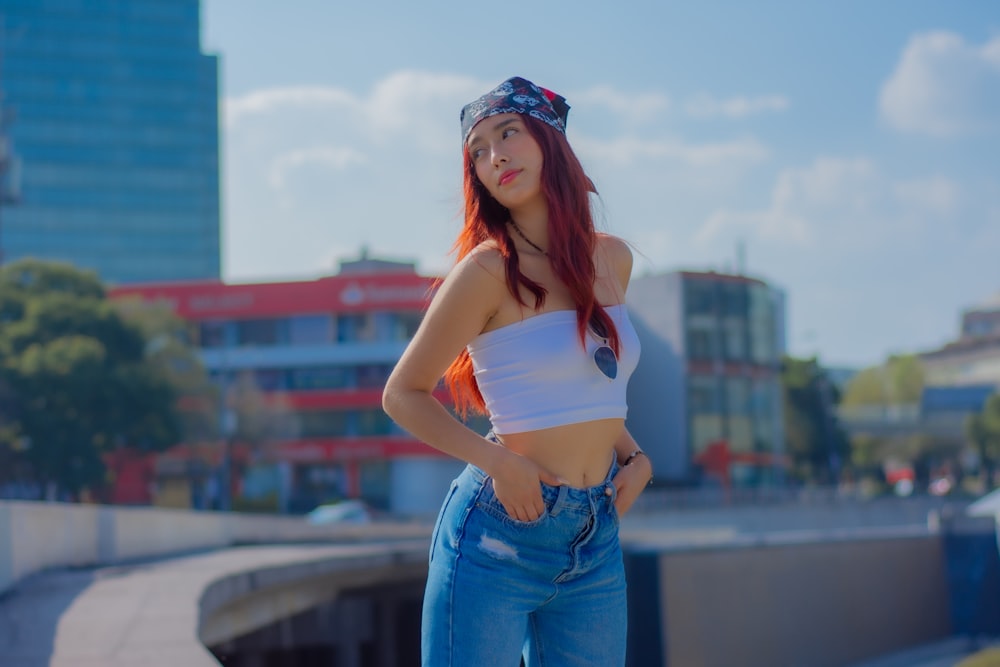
508,176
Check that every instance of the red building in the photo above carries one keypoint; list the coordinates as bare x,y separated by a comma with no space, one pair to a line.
302,366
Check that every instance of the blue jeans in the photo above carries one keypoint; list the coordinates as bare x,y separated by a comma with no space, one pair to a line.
551,590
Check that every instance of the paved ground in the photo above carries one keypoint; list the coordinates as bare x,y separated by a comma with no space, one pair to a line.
146,614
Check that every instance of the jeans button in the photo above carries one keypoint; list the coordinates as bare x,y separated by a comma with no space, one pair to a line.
607,491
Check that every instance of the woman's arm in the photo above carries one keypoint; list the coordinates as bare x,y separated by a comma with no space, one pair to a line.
635,474
469,296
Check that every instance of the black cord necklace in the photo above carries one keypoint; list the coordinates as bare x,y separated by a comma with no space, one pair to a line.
526,239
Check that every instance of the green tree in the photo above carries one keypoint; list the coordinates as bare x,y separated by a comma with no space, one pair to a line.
884,392
983,431
816,443
168,349
899,381
76,379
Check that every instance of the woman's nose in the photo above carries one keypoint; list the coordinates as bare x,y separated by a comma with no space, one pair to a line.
499,157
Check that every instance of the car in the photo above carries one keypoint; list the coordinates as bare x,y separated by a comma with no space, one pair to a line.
343,511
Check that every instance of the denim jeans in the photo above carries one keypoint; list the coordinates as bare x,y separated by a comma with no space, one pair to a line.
551,590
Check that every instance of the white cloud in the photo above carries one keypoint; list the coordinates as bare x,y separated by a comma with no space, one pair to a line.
271,100
632,107
627,150
335,158
707,106
937,195
834,203
943,86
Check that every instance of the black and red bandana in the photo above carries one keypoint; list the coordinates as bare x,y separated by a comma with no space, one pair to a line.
516,95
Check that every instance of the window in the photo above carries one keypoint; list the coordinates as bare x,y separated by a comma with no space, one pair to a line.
701,337
261,332
371,376
310,329
699,297
319,377
325,423
734,334
212,334
355,328
703,395
374,422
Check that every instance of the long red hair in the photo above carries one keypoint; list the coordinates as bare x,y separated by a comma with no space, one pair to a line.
572,241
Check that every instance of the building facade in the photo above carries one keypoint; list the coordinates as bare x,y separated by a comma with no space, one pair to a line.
708,384
116,129
316,354
974,357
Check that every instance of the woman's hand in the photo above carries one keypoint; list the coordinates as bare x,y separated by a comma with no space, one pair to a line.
517,485
630,480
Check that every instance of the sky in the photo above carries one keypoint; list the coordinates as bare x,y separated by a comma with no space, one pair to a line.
850,147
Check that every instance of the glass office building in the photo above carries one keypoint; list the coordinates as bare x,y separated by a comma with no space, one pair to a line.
116,127
710,375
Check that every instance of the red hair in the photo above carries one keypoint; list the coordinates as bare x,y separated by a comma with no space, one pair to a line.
572,241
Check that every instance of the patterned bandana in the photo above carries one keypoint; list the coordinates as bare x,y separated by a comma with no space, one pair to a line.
516,95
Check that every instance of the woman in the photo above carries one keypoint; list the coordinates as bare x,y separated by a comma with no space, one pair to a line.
530,327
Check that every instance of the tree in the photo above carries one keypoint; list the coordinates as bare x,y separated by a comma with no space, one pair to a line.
76,380
883,394
983,431
816,443
899,381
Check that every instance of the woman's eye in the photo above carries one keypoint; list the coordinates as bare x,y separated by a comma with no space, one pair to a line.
509,131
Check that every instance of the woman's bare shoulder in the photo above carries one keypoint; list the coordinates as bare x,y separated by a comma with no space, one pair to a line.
618,255
479,276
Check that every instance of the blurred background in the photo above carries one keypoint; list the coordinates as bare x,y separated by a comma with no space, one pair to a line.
220,222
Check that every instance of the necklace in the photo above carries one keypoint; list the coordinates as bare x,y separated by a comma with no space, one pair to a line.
526,239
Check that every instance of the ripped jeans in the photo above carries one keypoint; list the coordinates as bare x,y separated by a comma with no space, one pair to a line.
551,590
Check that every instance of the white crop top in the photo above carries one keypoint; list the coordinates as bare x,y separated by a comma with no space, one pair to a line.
534,374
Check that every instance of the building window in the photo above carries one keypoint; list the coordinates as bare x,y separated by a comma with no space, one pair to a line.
701,337
372,376
374,422
703,395
261,332
699,297
355,328
310,329
320,377
735,301
325,423
762,321
734,339
213,334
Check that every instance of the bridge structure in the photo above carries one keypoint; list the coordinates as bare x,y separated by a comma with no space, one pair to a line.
89,586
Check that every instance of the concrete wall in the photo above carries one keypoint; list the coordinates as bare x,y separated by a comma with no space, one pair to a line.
36,536
822,603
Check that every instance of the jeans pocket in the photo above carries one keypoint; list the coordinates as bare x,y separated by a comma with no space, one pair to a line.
491,506
440,518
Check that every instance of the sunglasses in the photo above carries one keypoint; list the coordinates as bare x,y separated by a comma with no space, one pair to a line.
604,356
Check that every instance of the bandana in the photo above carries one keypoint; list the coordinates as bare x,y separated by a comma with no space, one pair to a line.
516,95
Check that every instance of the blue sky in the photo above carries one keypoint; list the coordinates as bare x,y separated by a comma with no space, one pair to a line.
851,146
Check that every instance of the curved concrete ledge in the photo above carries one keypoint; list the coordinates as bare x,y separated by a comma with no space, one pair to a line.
164,613
35,536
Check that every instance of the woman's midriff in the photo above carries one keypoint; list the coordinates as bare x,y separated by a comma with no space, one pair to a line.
579,453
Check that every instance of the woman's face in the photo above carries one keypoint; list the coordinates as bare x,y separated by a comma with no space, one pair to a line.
507,160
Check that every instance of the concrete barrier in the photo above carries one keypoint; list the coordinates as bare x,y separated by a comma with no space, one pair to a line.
820,600
36,536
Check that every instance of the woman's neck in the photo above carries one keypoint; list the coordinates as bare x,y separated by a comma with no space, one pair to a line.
533,223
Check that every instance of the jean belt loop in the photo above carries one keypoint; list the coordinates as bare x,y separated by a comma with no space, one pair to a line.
557,506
